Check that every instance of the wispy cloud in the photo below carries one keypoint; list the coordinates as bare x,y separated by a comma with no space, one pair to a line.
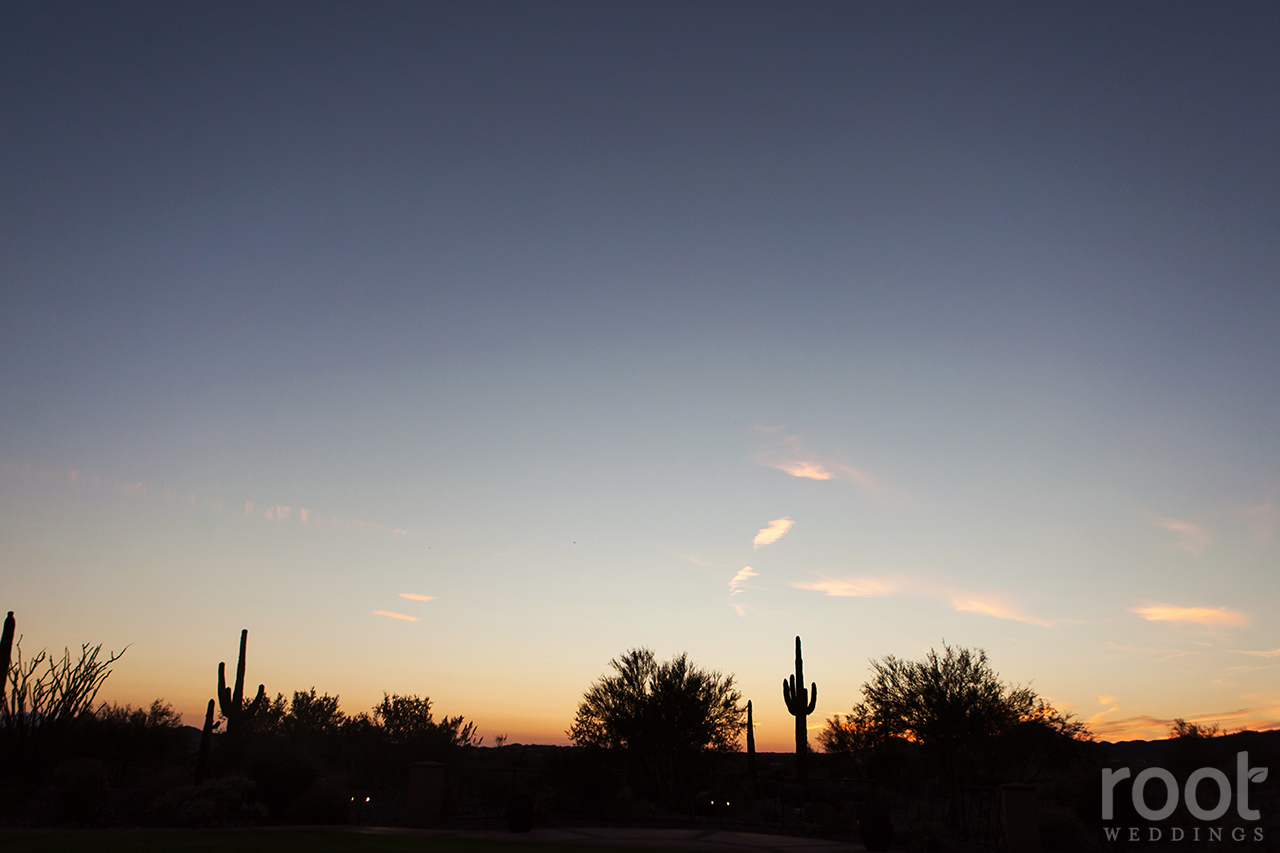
803,468
414,596
775,530
997,604
1104,699
163,494
990,605
1197,615
1192,538
788,454
852,587
1149,727
393,615
744,574
1274,653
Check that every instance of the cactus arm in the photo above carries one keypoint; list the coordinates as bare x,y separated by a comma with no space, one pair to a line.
788,695
813,699
224,695
237,698
257,702
206,740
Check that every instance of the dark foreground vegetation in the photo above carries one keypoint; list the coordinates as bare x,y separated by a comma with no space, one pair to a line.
260,841
923,762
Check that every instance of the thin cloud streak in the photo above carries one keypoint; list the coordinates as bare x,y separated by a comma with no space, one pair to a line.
997,605
744,574
787,454
1274,653
391,614
1193,538
1148,727
803,469
413,596
1207,616
775,530
852,587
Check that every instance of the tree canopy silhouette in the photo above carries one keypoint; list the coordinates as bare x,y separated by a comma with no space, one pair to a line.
671,708
941,702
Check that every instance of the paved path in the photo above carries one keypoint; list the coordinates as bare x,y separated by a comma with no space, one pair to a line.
694,840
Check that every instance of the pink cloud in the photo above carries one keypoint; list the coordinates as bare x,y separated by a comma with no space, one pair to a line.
1192,538
393,615
996,604
775,530
803,468
787,454
744,574
1197,615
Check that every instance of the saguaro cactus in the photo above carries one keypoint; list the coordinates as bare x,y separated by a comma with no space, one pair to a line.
232,703
800,703
6,648
751,744
206,740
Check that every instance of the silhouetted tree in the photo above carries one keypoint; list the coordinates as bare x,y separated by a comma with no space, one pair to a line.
661,714
45,697
943,702
407,721
851,733
1180,728
671,707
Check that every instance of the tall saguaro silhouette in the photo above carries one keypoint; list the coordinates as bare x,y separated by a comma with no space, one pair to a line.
6,648
800,702
232,703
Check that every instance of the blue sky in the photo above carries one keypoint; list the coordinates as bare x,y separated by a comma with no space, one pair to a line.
544,311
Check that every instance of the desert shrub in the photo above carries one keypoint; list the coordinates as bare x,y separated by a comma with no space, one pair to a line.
79,791
122,735
326,801
225,801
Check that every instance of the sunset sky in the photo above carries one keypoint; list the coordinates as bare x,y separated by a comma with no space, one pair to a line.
457,348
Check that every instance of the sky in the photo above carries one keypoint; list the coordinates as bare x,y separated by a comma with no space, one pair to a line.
454,349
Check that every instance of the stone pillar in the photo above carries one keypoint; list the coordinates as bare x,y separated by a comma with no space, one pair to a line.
1018,818
426,792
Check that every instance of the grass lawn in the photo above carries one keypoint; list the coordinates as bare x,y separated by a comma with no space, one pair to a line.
263,842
